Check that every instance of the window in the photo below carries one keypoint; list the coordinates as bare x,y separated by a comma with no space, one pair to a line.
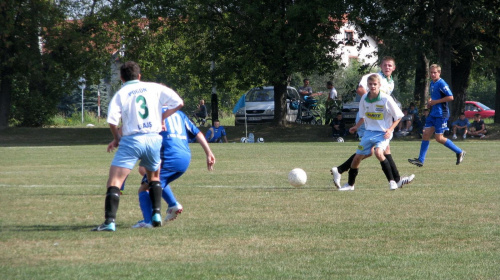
349,37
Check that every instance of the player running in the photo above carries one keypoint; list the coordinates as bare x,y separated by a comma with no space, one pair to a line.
437,121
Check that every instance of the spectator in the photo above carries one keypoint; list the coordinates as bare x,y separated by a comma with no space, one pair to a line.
406,124
461,125
305,90
412,110
332,104
423,118
338,126
216,134
201,112
477,128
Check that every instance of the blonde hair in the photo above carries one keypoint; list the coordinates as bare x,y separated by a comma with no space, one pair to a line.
374,77
436,66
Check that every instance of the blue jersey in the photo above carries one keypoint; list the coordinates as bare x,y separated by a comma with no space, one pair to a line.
175,152
438,90
217,134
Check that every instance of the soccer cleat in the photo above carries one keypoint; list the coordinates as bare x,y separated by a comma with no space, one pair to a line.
465,136
336,177
346,187
105,227
156,220
454,136
393,185
142,224
172,212
405,180
460,157
482,136
416,162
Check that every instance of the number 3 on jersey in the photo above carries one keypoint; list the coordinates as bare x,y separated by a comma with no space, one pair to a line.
143,108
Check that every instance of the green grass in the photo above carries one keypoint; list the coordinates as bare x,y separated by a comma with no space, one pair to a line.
243,220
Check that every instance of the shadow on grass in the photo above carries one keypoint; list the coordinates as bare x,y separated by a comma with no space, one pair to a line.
36,228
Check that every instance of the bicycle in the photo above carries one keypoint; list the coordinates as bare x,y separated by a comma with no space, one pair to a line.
198,121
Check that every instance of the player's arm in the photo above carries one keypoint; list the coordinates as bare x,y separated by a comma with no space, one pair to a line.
442,100
116,131
169,112
210,156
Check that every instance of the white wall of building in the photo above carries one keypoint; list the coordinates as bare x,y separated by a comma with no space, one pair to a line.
366,54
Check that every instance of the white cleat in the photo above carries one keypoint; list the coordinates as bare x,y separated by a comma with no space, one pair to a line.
142,224
393,185
405,180
336,177
172,212
346,187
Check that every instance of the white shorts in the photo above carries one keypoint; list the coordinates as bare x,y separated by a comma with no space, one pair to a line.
145,147
372,139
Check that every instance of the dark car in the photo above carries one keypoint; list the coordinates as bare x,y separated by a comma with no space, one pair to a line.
474,107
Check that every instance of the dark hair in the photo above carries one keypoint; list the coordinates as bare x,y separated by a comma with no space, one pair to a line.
339,113
412,104
129,71
462,113
305,80
329,83
477,115
216,120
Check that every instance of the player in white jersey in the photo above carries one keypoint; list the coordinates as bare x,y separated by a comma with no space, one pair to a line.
139,107
381,115
387,66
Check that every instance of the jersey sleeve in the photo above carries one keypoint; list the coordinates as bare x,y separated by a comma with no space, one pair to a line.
169,98
114,110
394,109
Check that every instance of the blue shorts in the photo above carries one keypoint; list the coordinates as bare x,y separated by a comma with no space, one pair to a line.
361,130
372,139
440,124
166,177
145,147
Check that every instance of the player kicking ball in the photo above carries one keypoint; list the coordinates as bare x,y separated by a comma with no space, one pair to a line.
438,118
380,114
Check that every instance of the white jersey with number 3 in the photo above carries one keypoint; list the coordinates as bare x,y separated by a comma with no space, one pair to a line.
139,105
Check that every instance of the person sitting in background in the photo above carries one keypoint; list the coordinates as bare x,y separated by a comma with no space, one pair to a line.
338,126
406,124
412,110
201,112
461,125
477,128
216,134
423,118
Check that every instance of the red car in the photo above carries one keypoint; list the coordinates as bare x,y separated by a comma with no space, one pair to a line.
474,107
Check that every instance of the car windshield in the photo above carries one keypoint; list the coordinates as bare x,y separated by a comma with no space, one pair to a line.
260,95
484,107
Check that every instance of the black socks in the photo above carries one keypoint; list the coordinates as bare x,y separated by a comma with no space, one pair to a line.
111,204
155,191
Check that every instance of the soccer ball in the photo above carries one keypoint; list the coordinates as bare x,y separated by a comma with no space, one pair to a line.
340,139
260,140
297,177
244,140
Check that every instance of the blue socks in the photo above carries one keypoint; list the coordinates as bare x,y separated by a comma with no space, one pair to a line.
450,145
424,147
146,206
168,196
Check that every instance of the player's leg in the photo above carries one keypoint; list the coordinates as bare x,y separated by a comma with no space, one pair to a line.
116,178
440,129
174,207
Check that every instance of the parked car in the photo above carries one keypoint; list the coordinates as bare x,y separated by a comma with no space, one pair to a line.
474,107
259,106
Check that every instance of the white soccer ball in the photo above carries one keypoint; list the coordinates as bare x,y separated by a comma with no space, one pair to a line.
260,140
244,140
340,139
297,177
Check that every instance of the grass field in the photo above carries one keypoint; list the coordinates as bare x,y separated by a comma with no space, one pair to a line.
243,220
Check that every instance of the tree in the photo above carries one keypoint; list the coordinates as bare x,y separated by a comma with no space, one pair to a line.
266,41
449,32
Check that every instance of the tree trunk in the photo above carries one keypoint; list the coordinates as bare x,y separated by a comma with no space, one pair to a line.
5,97
280,104
421,76
461,73
214,101
497,95
443,38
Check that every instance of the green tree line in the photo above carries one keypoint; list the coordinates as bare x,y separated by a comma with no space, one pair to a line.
203,47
